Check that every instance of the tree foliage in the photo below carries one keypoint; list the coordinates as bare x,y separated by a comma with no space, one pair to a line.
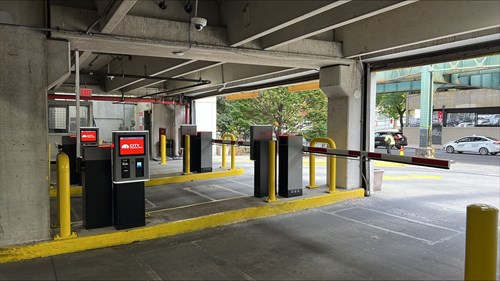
392,105
289,112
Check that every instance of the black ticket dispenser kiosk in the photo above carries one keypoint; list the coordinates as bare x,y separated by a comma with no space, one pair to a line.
290,165
260,135
201,152
95,169
97,186
130,163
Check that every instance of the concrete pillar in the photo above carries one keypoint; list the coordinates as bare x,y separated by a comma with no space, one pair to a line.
24,191
342,85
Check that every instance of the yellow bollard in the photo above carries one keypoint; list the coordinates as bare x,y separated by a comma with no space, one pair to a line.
63,197
233,152
332,162
187,155
163,149
233,157
312,171
481,242
272,173
402,150
223,165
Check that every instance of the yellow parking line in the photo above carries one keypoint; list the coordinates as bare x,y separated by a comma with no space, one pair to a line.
412,177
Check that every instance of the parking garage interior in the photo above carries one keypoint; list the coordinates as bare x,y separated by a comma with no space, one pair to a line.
154,53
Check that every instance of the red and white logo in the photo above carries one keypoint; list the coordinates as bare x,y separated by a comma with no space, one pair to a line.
131,145
88,136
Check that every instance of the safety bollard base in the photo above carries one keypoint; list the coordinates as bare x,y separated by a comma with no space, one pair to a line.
312,186
72,235
269,200
331,191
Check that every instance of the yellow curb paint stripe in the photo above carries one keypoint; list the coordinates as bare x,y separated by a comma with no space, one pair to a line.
412,177
58,247
77,190
194,177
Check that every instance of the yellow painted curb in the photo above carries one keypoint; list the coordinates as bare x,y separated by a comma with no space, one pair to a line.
194,177
77,190
58,247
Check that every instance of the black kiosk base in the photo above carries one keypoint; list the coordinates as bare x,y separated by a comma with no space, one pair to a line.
97,187
129,207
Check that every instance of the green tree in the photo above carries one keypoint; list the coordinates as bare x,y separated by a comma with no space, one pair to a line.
289,112
392,105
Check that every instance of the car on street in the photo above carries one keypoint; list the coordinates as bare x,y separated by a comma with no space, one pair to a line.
399,138
476,144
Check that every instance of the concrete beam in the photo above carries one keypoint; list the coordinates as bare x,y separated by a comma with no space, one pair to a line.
232,75
249,20
138,65
179,70
424,21
346,14
164,49
116,13
58,62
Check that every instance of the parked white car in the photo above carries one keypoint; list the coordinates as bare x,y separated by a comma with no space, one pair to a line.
478,144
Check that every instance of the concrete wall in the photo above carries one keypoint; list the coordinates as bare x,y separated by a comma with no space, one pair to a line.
451,133
24,191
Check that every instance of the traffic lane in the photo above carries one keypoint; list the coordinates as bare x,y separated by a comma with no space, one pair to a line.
466,158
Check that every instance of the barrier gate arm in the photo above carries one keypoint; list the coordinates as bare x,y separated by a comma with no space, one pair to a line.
240,143
411,160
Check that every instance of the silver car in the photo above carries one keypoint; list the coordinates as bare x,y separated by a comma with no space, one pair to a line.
477,144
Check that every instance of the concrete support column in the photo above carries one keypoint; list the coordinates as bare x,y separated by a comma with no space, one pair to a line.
342,85
24,189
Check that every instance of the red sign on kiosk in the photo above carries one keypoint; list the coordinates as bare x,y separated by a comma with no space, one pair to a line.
133,145
88,136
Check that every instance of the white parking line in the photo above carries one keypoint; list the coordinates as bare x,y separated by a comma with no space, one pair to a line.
200,194
228,189
429,242
150,203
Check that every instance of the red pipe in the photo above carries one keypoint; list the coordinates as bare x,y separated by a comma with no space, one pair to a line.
103,98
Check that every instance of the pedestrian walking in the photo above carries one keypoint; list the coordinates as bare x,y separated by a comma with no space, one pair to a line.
389,142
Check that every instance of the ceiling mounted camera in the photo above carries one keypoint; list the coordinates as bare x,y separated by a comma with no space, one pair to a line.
199,23
162,5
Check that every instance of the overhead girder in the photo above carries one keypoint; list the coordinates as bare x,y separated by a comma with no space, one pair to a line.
109,19
180,70
138,65
421,22
249,20
346,14
221,74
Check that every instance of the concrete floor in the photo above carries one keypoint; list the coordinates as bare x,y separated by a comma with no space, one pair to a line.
413,229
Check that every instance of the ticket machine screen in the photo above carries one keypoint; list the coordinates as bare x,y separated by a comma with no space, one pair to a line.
88,136
132,145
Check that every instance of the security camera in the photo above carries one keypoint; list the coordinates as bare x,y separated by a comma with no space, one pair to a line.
199,23
162,5
110,77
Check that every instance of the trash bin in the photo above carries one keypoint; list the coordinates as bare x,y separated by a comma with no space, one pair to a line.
377,179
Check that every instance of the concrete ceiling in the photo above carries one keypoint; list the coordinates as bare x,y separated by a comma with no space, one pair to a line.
252,43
